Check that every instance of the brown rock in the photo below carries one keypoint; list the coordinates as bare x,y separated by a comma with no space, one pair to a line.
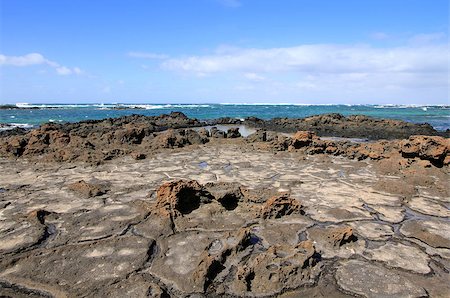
278,268
302,139
432,148
340,236
88,190
280,205
180,197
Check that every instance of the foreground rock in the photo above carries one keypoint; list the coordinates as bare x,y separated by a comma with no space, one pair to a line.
265,216
364,278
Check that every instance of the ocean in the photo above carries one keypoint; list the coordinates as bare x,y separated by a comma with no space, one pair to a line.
437,116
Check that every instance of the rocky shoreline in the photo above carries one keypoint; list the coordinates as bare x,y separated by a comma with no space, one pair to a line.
163,207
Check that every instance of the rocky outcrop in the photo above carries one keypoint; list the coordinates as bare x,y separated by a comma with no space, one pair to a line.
99,140
433,149
423,151
95,141
337,125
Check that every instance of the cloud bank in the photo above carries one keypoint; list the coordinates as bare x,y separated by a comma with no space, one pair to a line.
37,59
416,71
318,59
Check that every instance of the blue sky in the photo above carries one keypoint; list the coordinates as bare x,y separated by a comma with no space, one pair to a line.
287,51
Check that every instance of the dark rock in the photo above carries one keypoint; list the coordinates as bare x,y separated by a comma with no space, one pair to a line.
233,133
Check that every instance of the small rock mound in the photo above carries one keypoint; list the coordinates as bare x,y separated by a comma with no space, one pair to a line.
280,205
340,235
88,190
178,198
302,139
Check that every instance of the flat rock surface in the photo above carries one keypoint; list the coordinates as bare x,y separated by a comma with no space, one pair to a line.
370,280
254,223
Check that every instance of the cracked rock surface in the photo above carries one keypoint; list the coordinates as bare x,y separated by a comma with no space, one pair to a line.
223,219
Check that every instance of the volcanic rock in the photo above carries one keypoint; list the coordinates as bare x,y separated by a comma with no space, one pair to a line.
280,205
180,197
88,190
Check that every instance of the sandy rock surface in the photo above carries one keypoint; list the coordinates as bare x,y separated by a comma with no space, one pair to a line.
222,219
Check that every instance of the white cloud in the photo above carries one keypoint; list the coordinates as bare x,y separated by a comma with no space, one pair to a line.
326,72
319,58
37,59
147,55
26,60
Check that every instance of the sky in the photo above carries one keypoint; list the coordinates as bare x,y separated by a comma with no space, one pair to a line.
225,51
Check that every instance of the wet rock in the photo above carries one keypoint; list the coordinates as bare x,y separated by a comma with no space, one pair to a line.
400,256
180,197
280,205
88,190
371,280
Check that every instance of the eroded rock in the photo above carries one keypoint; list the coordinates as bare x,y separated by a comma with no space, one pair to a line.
180,197
280,205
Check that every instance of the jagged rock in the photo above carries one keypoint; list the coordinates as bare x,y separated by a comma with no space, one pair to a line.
336,241
302,139
277,268
258,136
216,133
227,194
180,197
88,190
432,148
204,133
280,205
233,133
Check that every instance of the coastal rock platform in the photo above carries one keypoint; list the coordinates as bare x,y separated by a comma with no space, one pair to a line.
225,218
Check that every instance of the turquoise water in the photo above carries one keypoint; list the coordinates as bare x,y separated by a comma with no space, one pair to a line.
437,116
